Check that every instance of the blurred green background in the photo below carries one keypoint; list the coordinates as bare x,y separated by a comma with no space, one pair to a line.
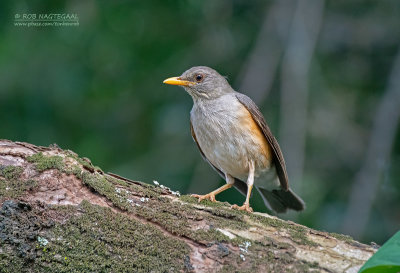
324,73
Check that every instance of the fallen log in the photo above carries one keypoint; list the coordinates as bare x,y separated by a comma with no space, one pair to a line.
59,213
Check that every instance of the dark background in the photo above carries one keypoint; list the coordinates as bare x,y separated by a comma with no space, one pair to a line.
326,75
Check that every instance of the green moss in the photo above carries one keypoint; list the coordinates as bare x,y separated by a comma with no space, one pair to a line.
11,172
100,240
298,233
42,162
267,241
258,258
102,186
226,217
209,236
11,264
342,237
172,216
19,229
95,239
142,189
313,265
12,185
85,162
228,213
119,198
192,200
75,170
65,211
179,218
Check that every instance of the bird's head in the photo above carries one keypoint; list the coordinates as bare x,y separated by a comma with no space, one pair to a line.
201,83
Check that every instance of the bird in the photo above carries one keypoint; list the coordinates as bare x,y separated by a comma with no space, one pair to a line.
234,138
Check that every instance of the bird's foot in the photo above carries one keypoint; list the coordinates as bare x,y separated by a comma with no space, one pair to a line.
245,207
210,196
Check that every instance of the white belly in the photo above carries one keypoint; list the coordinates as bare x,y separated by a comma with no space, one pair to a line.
229,148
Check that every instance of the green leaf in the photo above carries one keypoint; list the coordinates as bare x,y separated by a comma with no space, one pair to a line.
386,259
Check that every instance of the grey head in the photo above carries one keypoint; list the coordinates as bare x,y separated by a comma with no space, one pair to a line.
202,83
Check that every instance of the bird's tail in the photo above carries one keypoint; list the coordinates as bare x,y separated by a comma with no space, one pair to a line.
281,200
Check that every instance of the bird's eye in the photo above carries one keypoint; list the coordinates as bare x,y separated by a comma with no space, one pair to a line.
199,77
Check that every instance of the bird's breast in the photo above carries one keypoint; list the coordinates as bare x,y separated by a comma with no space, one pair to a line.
230,138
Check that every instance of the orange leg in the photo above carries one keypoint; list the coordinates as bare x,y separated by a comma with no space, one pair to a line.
246,205
211,195
250,181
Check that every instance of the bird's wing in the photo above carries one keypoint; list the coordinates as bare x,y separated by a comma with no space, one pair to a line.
239,184
259,119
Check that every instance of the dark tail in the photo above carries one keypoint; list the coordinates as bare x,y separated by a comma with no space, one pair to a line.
281,200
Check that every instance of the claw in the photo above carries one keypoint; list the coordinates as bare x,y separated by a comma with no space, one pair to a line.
245,207
209,196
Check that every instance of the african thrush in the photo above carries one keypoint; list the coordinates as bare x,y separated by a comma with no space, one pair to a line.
234,138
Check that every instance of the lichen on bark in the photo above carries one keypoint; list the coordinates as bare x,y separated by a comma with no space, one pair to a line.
60,213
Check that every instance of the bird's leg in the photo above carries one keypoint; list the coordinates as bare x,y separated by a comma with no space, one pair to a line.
211,196
250,182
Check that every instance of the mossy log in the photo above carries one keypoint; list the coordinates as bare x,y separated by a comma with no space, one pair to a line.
59,213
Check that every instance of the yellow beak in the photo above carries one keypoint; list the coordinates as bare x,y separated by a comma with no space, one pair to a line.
178,81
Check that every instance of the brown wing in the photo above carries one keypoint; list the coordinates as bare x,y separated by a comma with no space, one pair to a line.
259,119
239,184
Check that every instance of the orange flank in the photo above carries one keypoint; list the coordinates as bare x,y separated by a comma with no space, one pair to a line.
260,140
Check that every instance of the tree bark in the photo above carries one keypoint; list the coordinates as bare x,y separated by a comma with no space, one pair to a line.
59,213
